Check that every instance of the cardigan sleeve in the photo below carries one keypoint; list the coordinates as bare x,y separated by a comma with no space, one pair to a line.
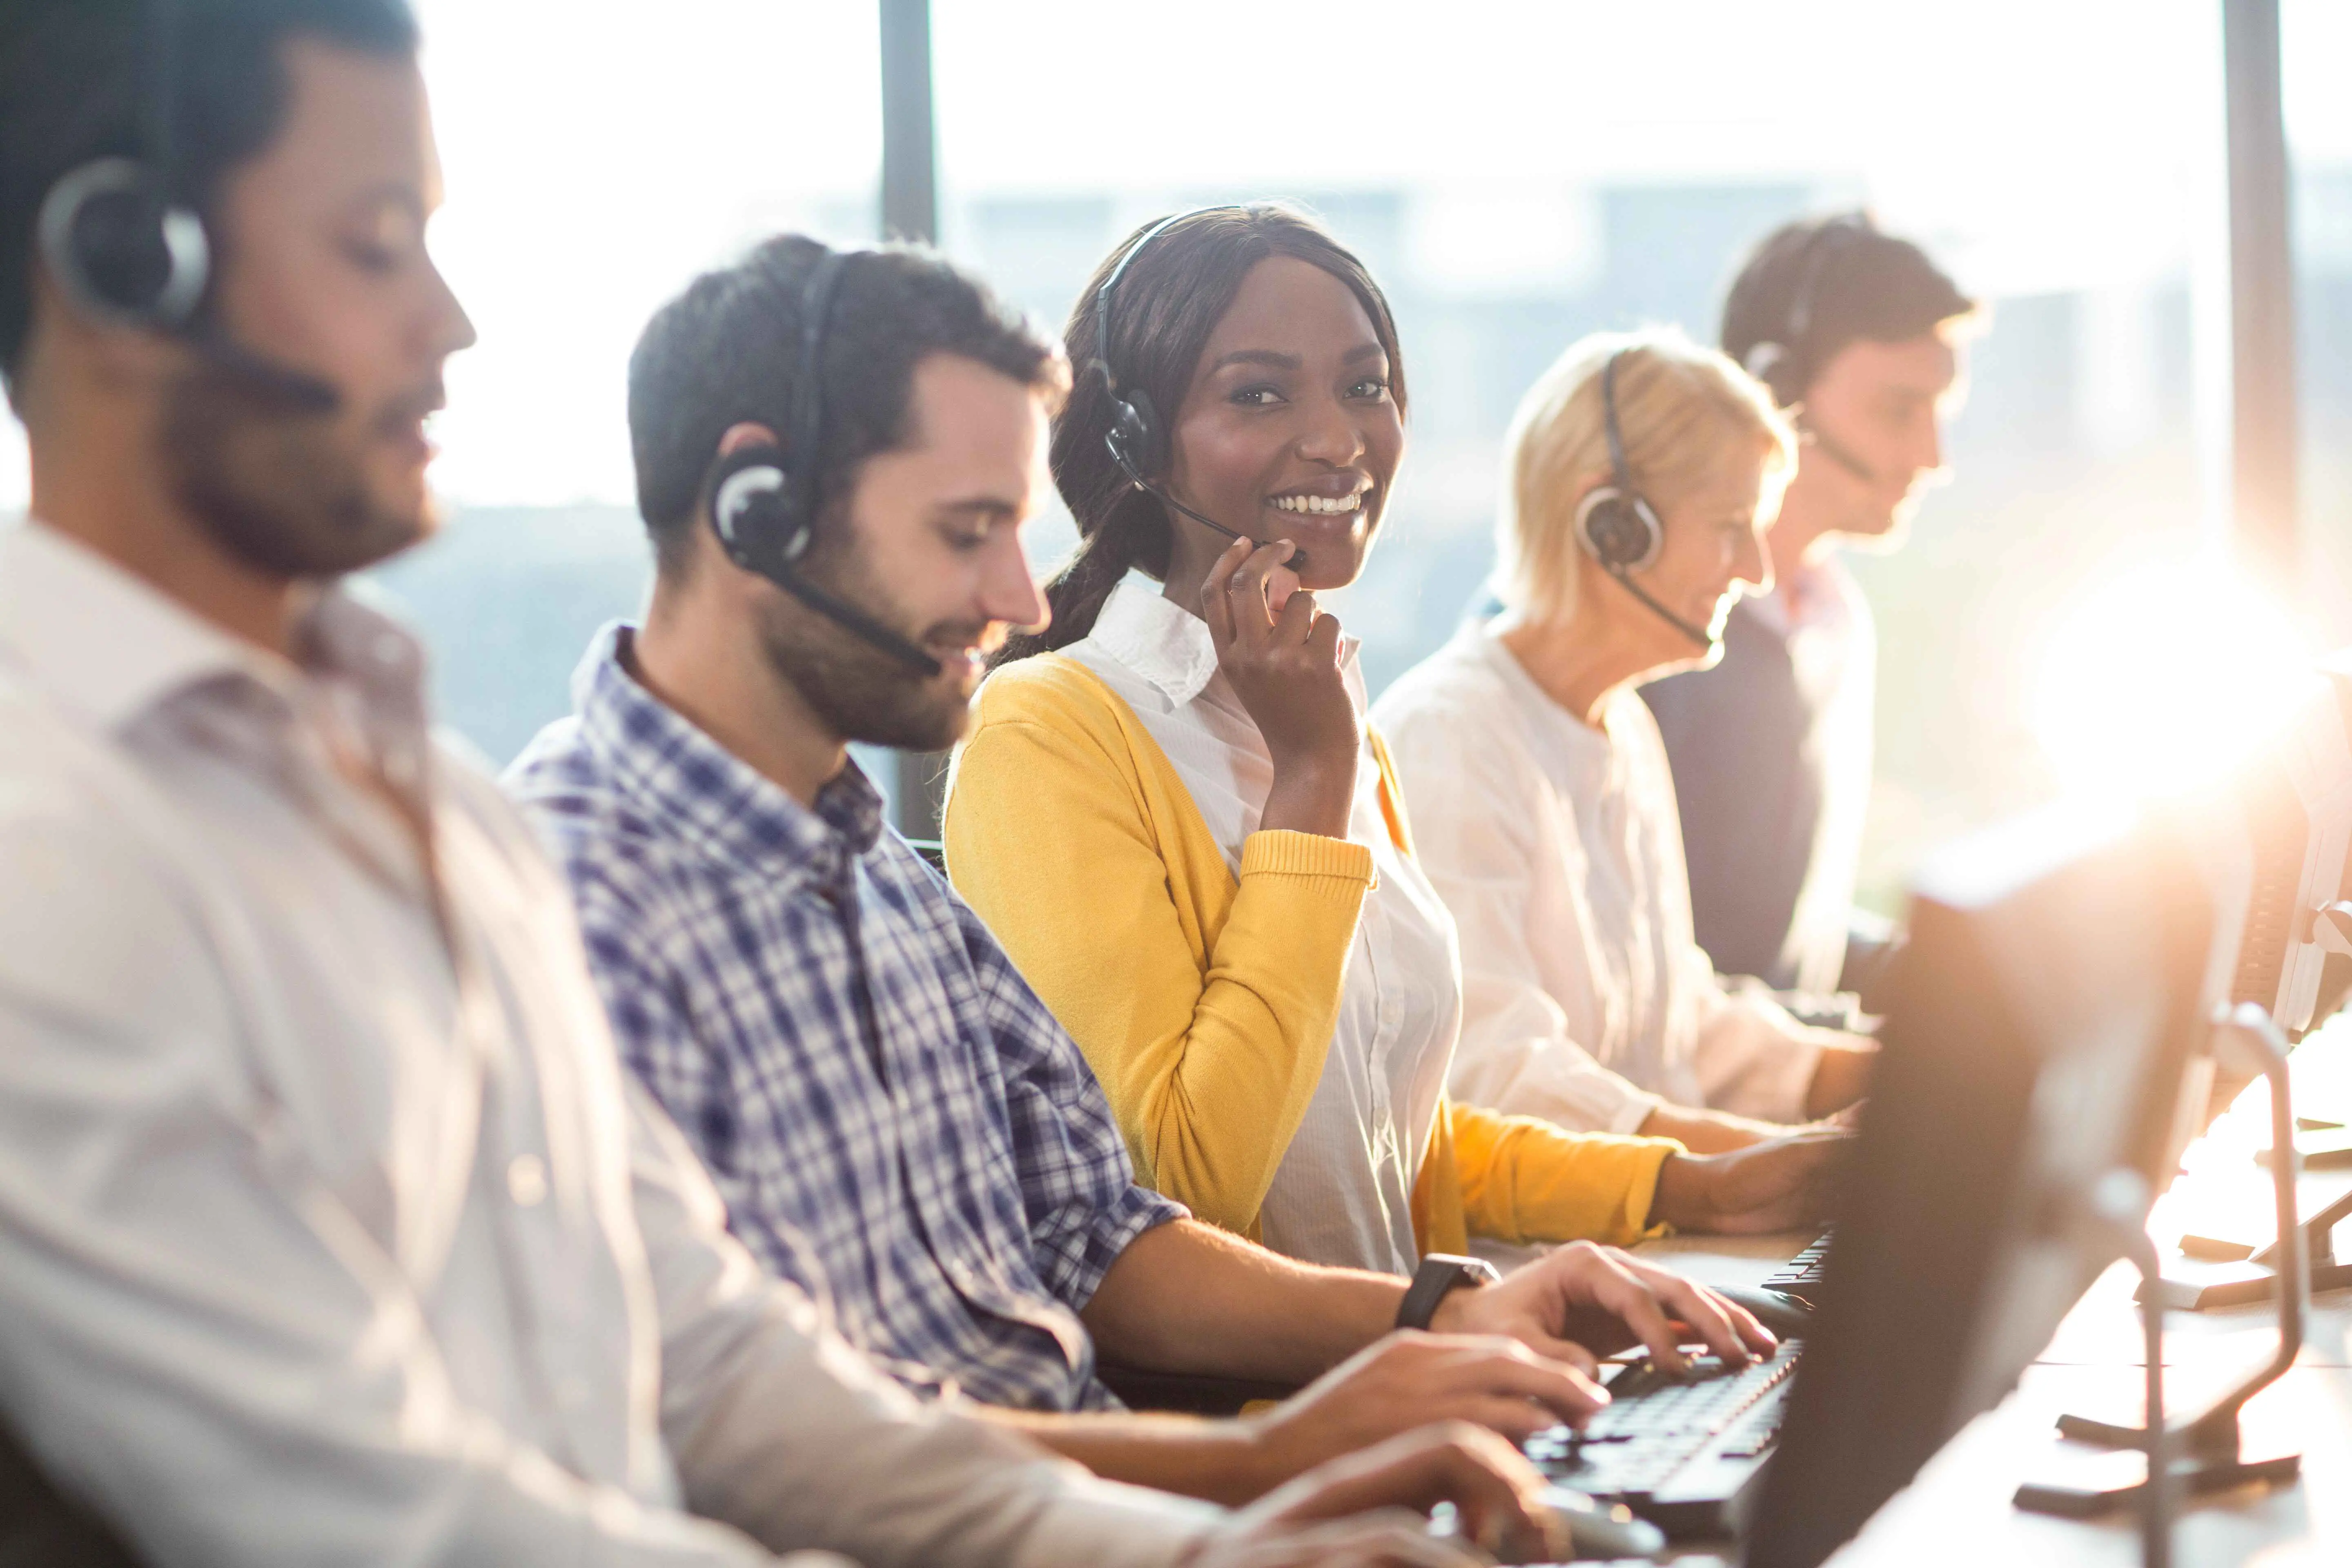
1209,1050
1524,1180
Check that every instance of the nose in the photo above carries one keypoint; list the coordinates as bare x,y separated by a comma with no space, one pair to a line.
453,329
1334,436
1009,594
1752,562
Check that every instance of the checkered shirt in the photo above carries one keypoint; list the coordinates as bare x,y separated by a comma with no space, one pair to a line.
893,1116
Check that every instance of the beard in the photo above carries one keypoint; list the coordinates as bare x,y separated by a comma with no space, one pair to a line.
282,490
856,690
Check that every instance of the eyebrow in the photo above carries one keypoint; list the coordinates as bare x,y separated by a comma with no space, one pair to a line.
976,506
1292,362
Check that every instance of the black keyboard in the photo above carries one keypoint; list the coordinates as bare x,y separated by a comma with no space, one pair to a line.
1681,1451
1801,1278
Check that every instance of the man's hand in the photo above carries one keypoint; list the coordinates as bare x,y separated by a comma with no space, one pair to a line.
1409,1380
1369,1509
1765,1187
1841,1077
1584,1295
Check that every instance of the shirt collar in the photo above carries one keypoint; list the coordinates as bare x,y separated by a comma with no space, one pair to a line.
696,787
113,649
1169,647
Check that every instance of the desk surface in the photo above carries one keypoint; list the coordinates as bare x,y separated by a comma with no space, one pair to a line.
1959,1509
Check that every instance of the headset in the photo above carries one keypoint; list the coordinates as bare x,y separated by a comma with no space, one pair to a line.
764,499
1617,527
127,248
1136,440
1783,363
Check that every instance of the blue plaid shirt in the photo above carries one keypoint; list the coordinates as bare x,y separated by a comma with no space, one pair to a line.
893,1116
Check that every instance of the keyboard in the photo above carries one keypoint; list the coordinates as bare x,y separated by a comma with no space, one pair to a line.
1801,1279
1681,1451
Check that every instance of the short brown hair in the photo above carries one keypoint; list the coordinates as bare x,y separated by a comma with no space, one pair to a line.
1813,287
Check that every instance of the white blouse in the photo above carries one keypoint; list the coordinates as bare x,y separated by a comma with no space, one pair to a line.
1343,1192
1559,849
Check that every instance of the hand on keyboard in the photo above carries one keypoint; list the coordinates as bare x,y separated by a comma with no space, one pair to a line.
1583,1298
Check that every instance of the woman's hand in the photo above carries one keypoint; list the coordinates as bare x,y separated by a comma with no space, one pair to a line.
1284,664
1765,1187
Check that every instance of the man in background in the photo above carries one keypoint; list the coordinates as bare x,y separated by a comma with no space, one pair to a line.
1857,333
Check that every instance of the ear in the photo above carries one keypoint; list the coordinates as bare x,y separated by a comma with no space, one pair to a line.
748,434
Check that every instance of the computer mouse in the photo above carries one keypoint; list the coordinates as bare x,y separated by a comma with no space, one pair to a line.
1601,1531
1596,1532
1784,1315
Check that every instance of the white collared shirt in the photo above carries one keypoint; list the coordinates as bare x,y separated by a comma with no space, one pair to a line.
1343,1192
329,1232
1557,848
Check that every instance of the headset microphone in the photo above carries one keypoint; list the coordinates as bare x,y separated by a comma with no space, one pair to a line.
764,501
1844,456
1617,527
1136,441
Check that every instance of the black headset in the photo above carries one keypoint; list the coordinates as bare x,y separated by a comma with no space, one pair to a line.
764,499
1137,440
1617,527
127,248
1784,363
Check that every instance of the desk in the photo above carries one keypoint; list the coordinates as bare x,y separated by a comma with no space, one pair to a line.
1959,1509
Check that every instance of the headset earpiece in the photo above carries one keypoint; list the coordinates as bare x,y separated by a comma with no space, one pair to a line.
1619,529
1134,437
122,249
751,508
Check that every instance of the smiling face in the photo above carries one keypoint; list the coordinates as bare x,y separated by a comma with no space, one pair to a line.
933,551
1714,552
1288,429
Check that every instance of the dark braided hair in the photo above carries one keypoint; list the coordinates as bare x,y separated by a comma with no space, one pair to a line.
1168,304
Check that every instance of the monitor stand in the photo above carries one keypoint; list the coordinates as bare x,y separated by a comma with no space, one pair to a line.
2200,1454
2236,1274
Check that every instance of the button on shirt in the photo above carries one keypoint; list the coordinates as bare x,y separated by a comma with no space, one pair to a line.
330,1231
888,1107
1557,848
1343,1192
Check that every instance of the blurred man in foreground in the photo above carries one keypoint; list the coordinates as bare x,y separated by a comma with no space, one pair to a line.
330,1228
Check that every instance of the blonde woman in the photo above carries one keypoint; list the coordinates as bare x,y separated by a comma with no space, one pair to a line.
1172,815
1639,477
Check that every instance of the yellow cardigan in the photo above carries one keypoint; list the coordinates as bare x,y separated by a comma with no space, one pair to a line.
1206,1006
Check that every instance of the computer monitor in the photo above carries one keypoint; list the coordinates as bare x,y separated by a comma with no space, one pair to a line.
2297,797
2039,1031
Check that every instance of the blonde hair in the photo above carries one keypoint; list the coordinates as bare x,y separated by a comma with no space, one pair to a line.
1680,409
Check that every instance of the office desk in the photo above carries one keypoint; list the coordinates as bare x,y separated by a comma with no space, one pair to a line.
1959,1508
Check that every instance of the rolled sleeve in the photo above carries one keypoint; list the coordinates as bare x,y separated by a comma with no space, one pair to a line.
1753,1058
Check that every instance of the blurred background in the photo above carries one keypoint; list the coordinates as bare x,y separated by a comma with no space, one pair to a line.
1517,173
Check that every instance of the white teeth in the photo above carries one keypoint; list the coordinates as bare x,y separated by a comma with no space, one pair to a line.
1319,503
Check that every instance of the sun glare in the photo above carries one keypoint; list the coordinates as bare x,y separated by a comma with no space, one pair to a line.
2165,678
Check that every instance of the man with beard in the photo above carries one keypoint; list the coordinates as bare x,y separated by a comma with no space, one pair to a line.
835,454
329,1229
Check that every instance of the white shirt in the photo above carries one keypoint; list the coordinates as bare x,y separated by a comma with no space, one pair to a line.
1833,643
1555,845
327,1231
1343,1192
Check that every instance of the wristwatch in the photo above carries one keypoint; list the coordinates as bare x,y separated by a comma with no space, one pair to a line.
1439,1275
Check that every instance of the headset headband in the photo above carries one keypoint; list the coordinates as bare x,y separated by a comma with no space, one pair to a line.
1109,289
1621,471
802,467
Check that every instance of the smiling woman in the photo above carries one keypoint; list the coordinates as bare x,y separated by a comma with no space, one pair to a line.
1177,821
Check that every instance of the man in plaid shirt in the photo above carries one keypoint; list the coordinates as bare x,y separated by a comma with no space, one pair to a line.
893,1117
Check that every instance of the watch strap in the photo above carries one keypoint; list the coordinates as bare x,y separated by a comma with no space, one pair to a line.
1439,1275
